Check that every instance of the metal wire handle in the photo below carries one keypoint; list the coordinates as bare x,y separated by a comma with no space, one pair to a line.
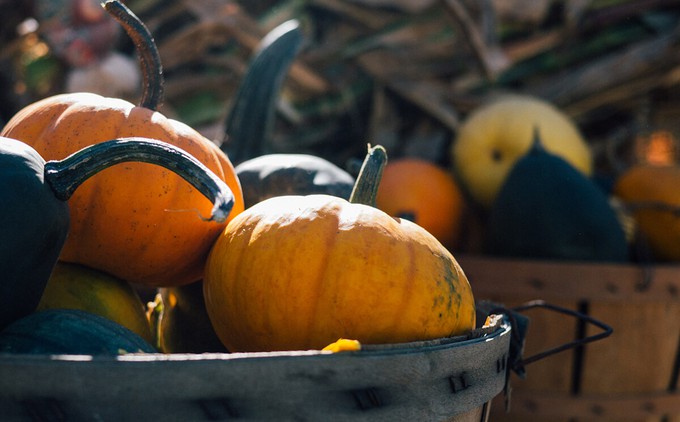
519,364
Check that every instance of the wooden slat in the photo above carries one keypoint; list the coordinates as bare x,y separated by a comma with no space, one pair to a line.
527,406
640,354
565,280
634,366
553,374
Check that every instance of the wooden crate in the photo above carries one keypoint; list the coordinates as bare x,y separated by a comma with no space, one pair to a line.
451,379
631,375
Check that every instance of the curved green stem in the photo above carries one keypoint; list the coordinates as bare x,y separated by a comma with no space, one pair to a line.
249,123
64,176
152,70
367,183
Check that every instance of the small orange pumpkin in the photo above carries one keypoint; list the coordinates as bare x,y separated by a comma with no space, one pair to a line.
299,272
650,193
423,192
115,224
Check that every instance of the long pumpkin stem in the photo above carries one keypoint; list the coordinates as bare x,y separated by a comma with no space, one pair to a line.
249,123
152,70
367,183
64,176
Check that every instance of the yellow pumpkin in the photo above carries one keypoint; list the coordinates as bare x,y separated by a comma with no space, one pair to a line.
299,272
495,135
76,287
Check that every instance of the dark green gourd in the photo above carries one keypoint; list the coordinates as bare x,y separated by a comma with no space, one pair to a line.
249,125
34,216
547,209
291,174
72,332
33,228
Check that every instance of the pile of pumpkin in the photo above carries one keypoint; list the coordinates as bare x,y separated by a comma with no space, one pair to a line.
102,199
283,251
523,185
531,175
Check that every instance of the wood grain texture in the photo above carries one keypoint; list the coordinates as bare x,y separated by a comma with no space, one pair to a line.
626,376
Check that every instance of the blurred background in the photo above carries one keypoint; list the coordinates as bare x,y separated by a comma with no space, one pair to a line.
402,73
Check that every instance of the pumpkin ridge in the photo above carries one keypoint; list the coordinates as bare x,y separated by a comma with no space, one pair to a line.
459,274
162,190
120,120
213,299
330,241
407,290
31,131
41,129
454,297
213,157
219,163
272,313
77,218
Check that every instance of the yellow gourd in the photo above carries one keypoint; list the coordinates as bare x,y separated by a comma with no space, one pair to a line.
73,286
497,134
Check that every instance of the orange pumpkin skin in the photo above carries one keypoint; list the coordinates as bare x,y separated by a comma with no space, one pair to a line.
299,272
424,193
136,221
652,193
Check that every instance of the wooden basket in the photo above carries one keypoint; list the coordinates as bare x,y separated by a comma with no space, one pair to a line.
630,376
451,379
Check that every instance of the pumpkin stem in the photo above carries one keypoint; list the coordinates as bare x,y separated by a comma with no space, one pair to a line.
537,142
249,123
366,186
150,59
64,176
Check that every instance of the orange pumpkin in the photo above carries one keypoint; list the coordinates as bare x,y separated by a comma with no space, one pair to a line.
114,221
423,192
650,193
299,272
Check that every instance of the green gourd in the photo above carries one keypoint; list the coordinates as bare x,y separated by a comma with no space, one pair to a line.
34,217
249,125
546,209
33,227
70,331
291,174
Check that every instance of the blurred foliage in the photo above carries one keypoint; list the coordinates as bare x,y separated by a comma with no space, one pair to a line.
401,73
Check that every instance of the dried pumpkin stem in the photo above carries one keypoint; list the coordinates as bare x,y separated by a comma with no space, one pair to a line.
64,176
367,183
152,70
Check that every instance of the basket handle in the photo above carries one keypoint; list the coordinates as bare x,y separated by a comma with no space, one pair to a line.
519,325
